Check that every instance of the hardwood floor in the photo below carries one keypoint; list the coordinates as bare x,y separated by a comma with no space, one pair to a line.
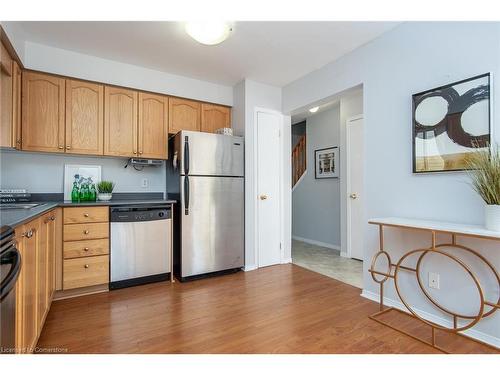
279,309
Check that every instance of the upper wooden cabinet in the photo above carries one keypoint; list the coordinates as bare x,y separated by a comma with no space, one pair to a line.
214,117
16,105
120,122
84,117
6,85
43,112
183,115
153,126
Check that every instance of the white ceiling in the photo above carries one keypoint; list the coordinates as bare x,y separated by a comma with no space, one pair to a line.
275,53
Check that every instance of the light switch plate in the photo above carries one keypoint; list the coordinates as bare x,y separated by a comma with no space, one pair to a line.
144,183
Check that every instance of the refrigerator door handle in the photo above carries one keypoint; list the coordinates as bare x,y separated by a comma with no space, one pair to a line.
186,195
186,155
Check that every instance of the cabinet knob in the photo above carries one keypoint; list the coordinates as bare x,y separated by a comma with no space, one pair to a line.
86,266
52,218
86,249
68,147
86,215
140,152
135,152
263,197
61,147
85,232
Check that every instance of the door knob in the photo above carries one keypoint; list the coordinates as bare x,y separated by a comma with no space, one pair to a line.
263,197
353,196
85,232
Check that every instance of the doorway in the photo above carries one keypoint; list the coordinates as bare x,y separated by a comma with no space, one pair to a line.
319,202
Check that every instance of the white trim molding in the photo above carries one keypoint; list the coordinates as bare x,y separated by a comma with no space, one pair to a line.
318,243
473,333
251,267
286,260
299,180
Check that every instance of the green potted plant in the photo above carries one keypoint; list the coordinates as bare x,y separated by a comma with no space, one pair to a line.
105,190
485,180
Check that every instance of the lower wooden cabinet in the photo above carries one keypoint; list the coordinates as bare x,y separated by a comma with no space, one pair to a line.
36,284
85,247
86,271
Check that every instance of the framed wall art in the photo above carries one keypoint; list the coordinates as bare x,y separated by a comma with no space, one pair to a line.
326,162
450,122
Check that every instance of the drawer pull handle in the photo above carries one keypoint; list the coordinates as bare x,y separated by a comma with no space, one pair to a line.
86,266
85,232
86,249
86,215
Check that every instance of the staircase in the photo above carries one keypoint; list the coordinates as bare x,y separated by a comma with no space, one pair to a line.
299,160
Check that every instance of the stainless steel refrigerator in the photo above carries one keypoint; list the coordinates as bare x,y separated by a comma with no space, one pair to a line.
206,172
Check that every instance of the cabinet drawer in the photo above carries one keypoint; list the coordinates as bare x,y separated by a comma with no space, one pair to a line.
87,271
85,248
76,215
90,231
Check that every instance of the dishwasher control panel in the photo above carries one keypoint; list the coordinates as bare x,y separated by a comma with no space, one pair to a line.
134,214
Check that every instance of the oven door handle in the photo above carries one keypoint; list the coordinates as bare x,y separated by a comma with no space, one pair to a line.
11,256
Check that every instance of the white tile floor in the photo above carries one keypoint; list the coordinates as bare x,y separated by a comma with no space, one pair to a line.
327,262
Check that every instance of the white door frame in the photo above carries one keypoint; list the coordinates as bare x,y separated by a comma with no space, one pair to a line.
256,180
348,182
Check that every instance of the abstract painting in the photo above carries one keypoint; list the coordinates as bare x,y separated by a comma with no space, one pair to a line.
450,122
326,163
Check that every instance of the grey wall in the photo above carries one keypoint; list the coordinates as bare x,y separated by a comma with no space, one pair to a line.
413,57
44,173
316,203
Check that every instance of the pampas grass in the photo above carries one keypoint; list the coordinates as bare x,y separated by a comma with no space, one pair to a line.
484,171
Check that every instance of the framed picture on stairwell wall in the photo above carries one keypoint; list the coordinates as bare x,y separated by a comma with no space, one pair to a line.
326,163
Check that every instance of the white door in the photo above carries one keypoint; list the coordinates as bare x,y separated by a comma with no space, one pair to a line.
268,188
355,217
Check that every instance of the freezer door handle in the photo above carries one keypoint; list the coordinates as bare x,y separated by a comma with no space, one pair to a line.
186,195
186,155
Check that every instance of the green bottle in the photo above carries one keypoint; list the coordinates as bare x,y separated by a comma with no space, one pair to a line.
92,193
75,194
83,193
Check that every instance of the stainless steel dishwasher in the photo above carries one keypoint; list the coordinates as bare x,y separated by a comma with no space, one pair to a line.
141,245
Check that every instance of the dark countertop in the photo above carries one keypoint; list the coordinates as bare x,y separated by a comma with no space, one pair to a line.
16,217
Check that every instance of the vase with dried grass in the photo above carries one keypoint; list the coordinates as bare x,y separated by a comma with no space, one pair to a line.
484,171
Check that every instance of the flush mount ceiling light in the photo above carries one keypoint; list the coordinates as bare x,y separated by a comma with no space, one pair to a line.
314,109
208,32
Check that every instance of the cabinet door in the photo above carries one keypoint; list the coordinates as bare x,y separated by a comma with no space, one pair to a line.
153,126
6,80
120,122
29,292
41,271
50,224
43,112
84,117
214,117
183,115
16,105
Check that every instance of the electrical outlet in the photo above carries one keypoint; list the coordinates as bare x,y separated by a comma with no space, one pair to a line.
433,280
144,183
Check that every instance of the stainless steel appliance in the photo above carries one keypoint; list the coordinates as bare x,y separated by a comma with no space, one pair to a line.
10,266
141,244
206,171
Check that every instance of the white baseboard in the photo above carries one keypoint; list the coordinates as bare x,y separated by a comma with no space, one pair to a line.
318,243
299,180
473,333
250,268
287,260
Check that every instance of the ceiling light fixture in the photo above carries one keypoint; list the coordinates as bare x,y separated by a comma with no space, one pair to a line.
314,109
208,32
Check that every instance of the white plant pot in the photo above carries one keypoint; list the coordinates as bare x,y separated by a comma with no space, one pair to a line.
492,217
104,196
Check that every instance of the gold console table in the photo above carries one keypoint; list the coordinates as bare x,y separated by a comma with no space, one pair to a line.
461,322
